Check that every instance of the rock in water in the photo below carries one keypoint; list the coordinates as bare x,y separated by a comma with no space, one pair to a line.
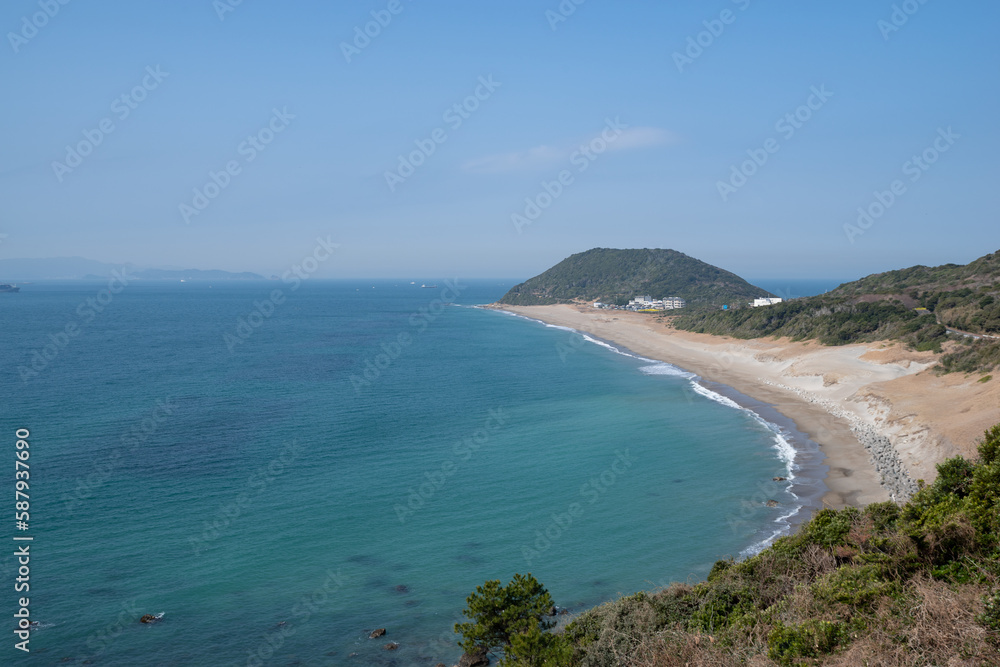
147,618
477,658
378,632
778,479
771,503
391,646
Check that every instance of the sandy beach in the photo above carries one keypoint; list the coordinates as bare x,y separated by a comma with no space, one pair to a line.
880,394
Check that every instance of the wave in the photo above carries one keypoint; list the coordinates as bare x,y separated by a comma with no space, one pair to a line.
786,452
667,369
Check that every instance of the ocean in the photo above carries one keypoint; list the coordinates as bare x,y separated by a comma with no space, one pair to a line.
277,470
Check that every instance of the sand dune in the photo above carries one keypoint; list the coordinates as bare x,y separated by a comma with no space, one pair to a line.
835,394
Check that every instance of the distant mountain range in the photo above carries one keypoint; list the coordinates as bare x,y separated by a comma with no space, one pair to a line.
80,268
615,276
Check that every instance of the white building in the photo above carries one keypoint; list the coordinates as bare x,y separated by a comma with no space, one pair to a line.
766,301
648,303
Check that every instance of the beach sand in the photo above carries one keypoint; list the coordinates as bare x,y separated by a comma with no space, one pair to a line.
878,387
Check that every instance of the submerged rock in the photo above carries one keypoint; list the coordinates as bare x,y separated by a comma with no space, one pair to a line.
779,479
771,503
391,646
148,618
477,658
377,632
402,589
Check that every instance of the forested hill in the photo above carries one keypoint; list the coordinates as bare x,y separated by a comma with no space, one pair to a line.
615,276
917,305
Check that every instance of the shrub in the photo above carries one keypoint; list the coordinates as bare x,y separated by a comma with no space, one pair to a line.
857,586
499,613
990,618
812,639
534,648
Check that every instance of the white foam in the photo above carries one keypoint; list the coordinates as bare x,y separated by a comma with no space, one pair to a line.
666,369
718,398
785,450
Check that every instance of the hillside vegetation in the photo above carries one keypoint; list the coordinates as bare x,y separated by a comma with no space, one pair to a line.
886,586
884,306
615,276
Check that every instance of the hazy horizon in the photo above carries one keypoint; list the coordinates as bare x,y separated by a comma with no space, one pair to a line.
500,138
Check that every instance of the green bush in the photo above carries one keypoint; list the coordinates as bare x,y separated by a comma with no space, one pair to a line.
534,648
787,644
990,618
829,527
499,613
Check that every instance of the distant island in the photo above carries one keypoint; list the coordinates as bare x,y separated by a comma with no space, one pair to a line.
81,268
617,276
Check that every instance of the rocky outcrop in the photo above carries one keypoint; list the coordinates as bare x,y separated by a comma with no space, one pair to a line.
477,658
892,474
376,633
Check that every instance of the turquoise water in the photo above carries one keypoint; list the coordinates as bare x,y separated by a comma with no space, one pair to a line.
275,503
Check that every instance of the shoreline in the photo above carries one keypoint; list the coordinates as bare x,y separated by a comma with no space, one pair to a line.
873,410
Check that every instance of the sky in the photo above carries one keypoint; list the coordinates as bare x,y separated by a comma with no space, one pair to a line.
495,138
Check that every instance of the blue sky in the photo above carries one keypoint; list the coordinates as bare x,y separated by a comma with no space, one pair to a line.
673,128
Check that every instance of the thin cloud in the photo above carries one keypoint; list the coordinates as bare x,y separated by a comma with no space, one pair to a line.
533,158
542,157
642,137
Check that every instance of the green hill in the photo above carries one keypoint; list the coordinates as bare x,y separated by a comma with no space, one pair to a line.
615,276
916,305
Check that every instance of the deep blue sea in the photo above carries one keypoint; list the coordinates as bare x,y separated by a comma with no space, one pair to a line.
279,471
798,288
